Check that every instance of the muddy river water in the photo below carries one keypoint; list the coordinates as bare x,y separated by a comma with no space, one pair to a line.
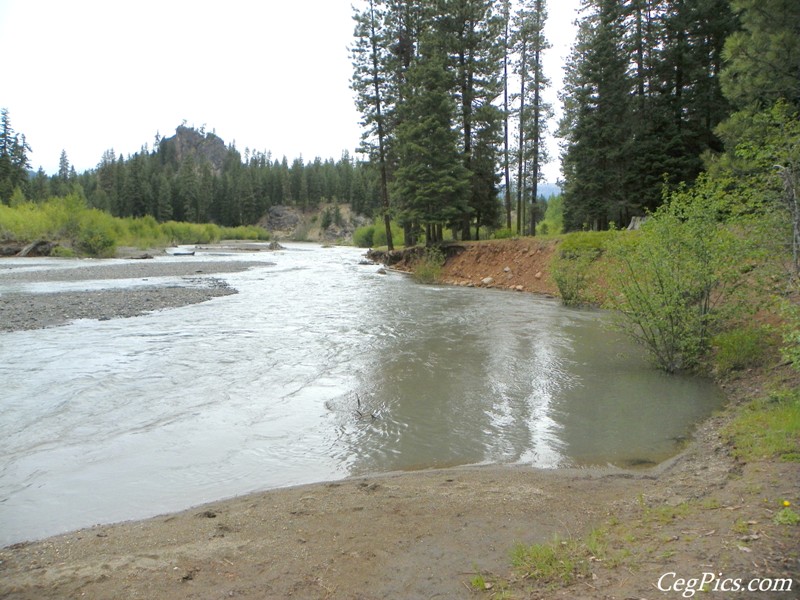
319,368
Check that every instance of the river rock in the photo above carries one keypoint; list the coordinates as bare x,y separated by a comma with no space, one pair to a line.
487,280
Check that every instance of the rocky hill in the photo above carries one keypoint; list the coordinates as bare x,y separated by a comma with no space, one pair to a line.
205,147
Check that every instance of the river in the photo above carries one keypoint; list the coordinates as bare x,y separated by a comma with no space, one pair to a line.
318,369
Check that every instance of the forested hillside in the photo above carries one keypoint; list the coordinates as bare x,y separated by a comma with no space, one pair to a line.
192,176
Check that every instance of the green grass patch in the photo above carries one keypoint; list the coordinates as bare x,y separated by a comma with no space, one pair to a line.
558,562
580,243
740,348
767,428
786,516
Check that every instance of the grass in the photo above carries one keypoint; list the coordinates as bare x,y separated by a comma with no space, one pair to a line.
557,562
740,348
767,428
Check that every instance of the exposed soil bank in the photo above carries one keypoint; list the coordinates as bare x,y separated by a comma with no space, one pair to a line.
519,264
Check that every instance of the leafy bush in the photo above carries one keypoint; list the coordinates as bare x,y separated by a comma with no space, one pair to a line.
553,222
363,237
190,233
379,237
428,268
680,279
571,275
244,232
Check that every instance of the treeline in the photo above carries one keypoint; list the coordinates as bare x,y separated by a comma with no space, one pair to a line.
642,99
432,84
194,177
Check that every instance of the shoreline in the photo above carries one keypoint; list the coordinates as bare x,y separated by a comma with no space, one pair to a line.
429,533
423,534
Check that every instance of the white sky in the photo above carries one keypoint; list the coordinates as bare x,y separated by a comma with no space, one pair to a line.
89,75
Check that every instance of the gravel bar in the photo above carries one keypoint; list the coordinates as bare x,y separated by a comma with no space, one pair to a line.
25,311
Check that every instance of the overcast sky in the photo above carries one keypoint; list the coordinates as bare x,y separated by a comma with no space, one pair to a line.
89,75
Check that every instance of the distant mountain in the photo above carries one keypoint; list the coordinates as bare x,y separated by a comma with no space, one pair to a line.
549,189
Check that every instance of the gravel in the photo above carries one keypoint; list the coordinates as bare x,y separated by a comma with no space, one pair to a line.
23,311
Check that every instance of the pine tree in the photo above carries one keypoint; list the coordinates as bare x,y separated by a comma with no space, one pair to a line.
371,86
468,31
506,16
534,112
763,58
14,162
431,182
595,123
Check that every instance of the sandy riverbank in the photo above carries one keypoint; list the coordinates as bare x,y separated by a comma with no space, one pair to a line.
428,534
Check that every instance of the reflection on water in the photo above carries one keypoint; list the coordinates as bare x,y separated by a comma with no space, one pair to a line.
319,368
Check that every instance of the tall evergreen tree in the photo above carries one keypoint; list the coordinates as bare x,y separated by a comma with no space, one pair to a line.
372,96
506,15
595,125
468,31
534,111
431,182
14,163
763,58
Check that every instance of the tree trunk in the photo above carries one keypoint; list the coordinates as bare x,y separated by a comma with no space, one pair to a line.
521,151
506,169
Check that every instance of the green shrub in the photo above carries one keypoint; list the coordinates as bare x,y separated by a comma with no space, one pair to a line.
680,279
62,252
364,237
503,234
739,348
379,237
428,268
190,233
244,232
571,274
96,234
